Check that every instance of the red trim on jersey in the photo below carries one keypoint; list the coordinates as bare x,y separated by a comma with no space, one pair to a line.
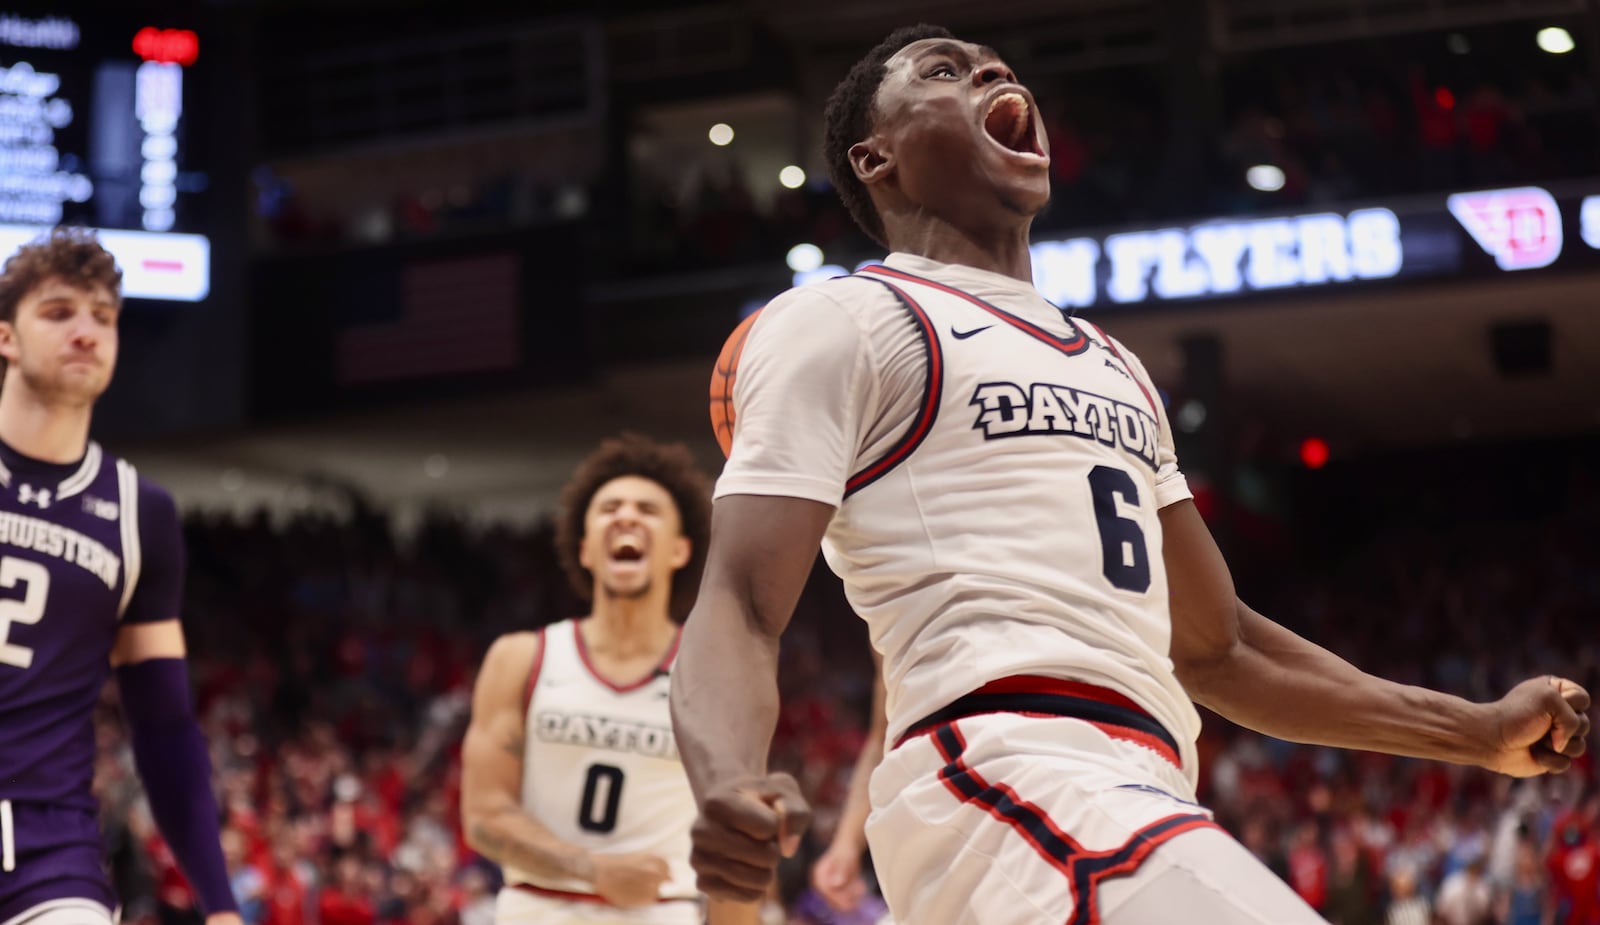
1035,684
659,670
1085,870
1071,347
933,390
576,897
1111,345
533,674
672,652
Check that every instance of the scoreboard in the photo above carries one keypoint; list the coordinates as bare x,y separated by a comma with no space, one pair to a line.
94,128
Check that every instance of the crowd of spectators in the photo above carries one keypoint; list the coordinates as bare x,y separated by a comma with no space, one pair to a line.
333,663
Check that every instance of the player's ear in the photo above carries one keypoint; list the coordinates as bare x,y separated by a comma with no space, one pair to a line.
682,551
8,342
585,557
871,160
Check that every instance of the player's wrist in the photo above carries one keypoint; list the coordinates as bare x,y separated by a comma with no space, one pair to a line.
583,866
847,846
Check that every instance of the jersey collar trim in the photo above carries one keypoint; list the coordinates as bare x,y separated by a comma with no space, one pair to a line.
88,468
1071,346
659,671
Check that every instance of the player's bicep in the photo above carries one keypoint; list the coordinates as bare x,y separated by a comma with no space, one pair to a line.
765,547
1204,605
140,642
492,751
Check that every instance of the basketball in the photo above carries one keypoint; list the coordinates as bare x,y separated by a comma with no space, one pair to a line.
722,377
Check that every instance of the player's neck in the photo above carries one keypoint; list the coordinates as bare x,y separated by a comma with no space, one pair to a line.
1004,251
630,627
41,430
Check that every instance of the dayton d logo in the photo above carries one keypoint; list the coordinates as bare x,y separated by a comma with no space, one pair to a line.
1520,228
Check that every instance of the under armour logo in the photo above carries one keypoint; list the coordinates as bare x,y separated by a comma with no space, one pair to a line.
27,494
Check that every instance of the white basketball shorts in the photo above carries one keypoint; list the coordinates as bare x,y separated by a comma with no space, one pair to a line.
1011,819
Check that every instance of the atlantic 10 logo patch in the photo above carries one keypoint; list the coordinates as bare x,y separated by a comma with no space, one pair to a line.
1520,228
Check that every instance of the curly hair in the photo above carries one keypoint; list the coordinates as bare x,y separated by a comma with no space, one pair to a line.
848,119
72,254
672,467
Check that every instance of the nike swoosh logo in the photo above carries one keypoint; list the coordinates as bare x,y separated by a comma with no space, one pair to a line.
963,335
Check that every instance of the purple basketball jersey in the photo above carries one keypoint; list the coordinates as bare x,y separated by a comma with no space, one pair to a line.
84,548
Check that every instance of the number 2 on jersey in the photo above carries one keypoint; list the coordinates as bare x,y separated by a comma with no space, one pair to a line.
1122,545
27,611
602,794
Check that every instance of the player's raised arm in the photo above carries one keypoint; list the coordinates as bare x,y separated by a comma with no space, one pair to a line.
153,679
1260,675
492,818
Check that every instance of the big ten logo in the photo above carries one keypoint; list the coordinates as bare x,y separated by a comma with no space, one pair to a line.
1520,228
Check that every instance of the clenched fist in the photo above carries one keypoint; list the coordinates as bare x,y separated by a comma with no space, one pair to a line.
1538,728
628,880
745,828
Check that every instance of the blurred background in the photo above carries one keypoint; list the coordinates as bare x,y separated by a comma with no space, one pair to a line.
394,267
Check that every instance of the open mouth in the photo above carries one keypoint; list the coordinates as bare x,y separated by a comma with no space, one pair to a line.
626,549
1010,123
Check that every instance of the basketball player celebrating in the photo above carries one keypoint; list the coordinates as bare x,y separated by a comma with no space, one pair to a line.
571,781
91,579
996,485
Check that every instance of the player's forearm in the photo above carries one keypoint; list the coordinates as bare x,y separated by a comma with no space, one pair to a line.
170,753
510,837
1278,683
852,829
724,692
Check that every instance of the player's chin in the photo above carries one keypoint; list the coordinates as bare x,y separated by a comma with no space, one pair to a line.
1022,192
626,588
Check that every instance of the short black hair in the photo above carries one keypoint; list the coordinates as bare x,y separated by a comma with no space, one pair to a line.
669,465
848,120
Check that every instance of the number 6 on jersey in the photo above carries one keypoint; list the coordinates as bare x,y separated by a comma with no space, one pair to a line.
1122,544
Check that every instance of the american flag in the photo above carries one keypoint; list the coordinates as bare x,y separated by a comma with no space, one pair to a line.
456,316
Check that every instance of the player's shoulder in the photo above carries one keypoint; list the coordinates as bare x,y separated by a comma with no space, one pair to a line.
852,295
153,501
512,647
507,665
154,498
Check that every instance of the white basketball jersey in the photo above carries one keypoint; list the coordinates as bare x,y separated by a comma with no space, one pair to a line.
601,769
1013,530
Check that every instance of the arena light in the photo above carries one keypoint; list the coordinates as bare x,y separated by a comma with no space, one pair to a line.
1555,40
1191,416
1265,177
1314,452
792,177
803,258
1458,44
721,134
